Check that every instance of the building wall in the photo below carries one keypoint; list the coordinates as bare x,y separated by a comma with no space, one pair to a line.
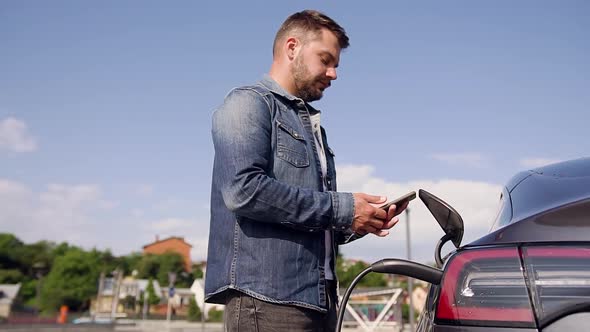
4,310
172,244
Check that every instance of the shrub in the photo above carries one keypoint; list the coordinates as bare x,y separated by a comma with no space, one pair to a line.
194,313
215,315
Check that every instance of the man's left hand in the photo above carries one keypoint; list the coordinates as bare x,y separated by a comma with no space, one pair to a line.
391,219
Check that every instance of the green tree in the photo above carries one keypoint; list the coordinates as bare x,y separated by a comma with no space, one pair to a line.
158,267
169,262
141,299
348,271
62,249
10,276
148,267
40,253
130,262
17,261
10,251
72,281
406,313
197,271
28,292
152,298
194,313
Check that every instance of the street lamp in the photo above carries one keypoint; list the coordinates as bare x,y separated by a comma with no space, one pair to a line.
410,280
39,268
171,281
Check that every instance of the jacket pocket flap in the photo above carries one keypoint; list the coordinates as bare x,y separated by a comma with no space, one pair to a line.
290,130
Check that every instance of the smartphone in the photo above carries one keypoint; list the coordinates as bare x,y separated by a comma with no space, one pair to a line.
399,201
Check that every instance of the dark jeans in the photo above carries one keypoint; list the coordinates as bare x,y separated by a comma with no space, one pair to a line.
244,313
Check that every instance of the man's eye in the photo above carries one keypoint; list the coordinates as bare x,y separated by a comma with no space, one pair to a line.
325,61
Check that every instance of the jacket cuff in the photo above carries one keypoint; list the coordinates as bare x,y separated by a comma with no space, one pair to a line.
342,210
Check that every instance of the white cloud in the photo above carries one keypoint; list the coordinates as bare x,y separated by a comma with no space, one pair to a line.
475,201
463,159
137,213
11,190
14,136
16,206
537,162
59,213
81,215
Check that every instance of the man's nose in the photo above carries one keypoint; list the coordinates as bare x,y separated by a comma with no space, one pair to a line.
331,73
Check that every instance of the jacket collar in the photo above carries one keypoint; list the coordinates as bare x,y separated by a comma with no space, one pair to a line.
274,87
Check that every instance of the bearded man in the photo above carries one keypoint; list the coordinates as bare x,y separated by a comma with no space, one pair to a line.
276,216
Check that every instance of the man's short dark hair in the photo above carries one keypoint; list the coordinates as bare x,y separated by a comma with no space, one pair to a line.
310,21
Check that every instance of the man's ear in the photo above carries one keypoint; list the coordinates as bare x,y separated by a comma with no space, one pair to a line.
292,45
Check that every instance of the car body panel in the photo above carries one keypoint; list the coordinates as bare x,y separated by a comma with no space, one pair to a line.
568,223
450,328
578,322
549,198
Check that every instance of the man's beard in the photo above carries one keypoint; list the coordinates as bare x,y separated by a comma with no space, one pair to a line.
304,82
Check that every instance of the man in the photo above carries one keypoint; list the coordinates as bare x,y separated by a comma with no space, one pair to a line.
276,217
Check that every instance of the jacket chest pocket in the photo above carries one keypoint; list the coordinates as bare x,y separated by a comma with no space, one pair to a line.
291,145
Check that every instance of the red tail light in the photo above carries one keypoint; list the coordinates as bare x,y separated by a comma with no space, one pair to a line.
485,287
517,287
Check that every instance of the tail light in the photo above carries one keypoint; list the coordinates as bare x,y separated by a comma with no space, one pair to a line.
559,279
485,288
514,286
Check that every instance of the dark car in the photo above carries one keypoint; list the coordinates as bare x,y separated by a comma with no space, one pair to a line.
530,273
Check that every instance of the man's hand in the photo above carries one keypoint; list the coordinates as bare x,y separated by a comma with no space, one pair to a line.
369,218
391,219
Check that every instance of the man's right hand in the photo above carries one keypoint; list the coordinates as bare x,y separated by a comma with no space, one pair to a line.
368,217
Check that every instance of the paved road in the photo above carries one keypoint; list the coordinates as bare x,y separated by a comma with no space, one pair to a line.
140,326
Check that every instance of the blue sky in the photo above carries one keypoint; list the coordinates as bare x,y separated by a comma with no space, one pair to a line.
105,108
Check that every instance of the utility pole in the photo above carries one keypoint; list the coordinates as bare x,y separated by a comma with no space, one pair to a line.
117,278
410,280
144,309
203,309
40,269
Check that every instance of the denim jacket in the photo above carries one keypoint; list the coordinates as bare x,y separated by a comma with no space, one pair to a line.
269,209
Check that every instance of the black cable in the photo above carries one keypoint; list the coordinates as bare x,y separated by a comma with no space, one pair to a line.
392,266
347,295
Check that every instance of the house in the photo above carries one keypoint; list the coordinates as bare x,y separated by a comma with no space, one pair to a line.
135,287
172,244
8,293
180,300
181,297
419,298
198,288
129,288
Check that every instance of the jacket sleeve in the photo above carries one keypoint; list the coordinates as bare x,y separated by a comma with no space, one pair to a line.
346,236
243,154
